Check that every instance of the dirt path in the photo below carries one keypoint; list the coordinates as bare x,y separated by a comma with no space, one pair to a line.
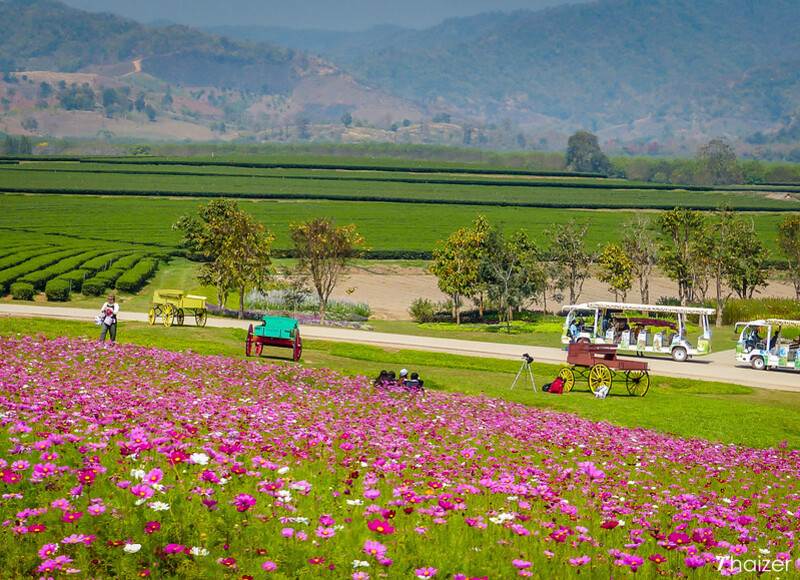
716,367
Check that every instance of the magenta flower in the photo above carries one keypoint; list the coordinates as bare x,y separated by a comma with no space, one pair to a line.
173,548
48,550
243,502
142,490
287,532
426,572
374,548
269,565
580,561
521,564
380,526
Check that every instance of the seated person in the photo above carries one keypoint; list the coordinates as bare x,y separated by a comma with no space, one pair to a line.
414,383
773,342
573,332
403,377
382,380
390,379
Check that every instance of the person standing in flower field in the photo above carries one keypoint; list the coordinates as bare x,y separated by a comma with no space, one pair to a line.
109,313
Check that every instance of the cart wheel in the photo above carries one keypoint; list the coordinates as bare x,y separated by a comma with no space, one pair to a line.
248,345
599,374
567,375
200,317
179,317
298,348
151,316
757,363
259,347
637,382
168,314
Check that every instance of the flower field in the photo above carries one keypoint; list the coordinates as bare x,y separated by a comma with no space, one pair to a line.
124,462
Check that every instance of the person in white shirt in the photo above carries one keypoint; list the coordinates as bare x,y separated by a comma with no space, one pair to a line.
109,313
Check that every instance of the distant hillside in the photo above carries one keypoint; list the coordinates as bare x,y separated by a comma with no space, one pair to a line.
684,66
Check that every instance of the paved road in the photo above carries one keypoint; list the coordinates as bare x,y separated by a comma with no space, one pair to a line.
716,367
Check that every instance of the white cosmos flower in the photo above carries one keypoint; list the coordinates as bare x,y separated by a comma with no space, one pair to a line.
360,564
159,506
198,551
138,473
132,548
283,470
199,458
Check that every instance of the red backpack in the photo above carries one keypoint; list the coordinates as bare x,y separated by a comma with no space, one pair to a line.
557,386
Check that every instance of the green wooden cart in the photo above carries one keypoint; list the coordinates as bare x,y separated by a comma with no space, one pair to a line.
171,306
275,331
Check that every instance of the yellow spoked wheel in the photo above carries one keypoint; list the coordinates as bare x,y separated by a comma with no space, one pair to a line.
179,317
599,374
567,375
200,317
637,382
168,315
151,316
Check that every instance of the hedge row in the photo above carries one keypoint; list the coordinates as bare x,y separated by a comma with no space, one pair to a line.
103,262
10,275
76,278
133,280
387,199
40,277
19,256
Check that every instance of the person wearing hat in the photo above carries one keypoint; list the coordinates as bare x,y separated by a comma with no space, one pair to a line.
109,313
402,378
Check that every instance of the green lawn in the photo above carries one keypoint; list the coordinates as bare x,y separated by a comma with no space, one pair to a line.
718,411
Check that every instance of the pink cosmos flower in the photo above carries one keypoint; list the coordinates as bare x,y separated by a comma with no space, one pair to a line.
287,532
142,490
47,550
243,502
20,465
269,565
174,548
426,572
96,509
154,476
374,548
521,564
71,516
372,493
323,532
151,527
580,561
380,526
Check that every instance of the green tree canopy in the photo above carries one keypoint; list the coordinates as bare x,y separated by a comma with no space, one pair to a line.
324,250
584,154
718,163
233,246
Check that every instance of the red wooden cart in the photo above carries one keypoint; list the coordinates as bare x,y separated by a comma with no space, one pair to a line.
598,364
275,331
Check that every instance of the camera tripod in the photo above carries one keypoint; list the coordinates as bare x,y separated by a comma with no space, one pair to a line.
526,365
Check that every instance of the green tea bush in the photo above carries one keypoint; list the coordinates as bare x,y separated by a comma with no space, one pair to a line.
136,277
94,286
22,291
76,278
57,290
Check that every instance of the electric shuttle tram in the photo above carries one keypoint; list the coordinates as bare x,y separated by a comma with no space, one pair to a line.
640,328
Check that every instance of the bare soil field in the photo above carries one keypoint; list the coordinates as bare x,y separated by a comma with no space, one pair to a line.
390,289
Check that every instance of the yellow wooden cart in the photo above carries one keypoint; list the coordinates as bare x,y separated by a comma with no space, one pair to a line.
172,306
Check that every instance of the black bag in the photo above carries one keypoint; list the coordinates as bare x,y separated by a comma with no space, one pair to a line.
546,387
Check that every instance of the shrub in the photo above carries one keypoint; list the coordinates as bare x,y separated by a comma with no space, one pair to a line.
23,291
135,278
57,290
297,299
422,310
94,286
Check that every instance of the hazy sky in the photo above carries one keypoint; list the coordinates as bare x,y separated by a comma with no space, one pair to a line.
324,14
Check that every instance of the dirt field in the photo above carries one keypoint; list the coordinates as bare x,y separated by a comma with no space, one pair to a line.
389,290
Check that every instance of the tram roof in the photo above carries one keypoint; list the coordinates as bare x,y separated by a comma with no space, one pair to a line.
771,322
642,307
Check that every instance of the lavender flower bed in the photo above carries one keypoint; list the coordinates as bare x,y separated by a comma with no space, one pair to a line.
123,461
301,317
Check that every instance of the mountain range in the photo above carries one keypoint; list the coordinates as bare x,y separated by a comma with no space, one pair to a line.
629,70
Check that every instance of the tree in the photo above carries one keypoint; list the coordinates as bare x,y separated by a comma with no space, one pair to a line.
324,249
616,269
302,127
639,244
234,248
150,111
457,264
680,228
347,119
718,163
139,104
512,271
584,154
789,243
570,259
